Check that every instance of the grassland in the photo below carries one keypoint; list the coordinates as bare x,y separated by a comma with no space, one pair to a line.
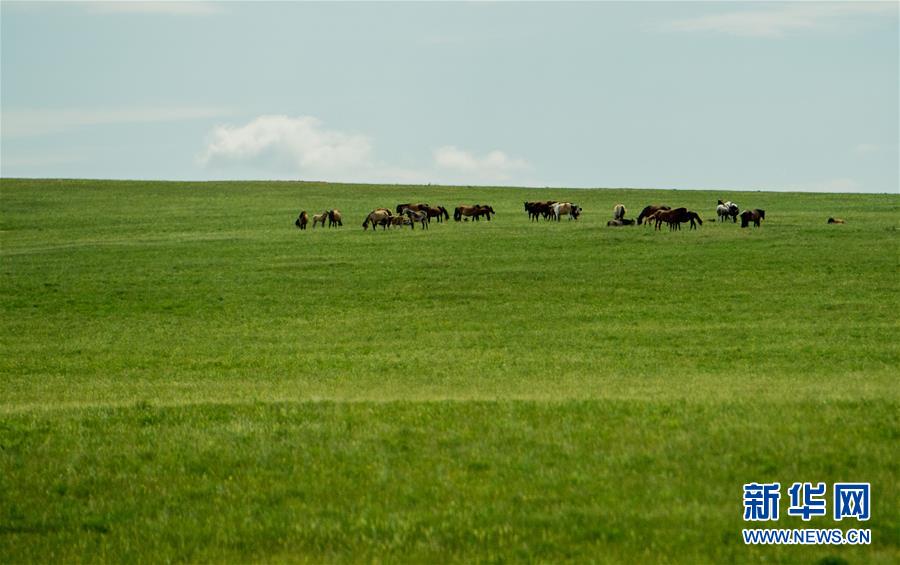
187,377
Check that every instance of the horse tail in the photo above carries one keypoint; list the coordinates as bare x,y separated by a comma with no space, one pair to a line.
457,214
444,211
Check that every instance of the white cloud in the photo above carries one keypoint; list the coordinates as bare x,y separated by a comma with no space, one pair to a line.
288,147
779,20
299,144
27,122
492,167
166,7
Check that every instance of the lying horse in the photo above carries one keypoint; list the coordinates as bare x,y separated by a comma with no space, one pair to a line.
415,207
836,221
302,220
755,216
335,218
377,217
618,212
320,219
565,208
649,210
438,212
402,220
620,223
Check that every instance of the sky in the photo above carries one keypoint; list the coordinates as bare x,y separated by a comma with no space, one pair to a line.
799,96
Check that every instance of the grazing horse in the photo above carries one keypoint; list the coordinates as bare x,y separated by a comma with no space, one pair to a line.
417,216
836,221
438,212
320,219
674,218
302,220
648,210
754,216
475,212
725,210
377,217
618,212
620,223
565,208
335,218
486,211
539,208
414,207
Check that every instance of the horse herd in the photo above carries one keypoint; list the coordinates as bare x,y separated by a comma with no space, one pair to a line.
410,214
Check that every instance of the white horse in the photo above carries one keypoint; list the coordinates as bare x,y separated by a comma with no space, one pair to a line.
727,210
558,209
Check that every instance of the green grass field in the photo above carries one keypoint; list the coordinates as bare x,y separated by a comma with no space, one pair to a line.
185,376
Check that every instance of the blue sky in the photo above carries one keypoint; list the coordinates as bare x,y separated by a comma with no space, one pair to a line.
758,96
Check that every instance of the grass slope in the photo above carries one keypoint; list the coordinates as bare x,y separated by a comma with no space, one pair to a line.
186,376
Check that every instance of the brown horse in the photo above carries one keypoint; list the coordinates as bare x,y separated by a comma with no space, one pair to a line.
674,218
417,216
320,219
755,216
335,218
648,210
475,212
438,212
836,221
414,207
377,217
539,208
402,220
302,220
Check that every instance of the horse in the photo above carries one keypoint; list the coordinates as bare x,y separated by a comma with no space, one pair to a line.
724,210
618,212
385,210
484,210
415,207
539,208
320,219
755,216
438,212
417,216
377,217
402,220
565,208
836,221
620,223
475,212
335,218
302,220
648,210
674,218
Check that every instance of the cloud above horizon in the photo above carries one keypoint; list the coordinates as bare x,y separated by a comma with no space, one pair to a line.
494,166
289,144
303,146
778,20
